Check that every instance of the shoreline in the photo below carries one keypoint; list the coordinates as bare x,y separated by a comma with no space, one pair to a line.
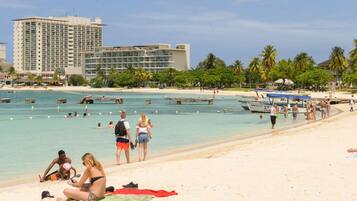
345,95
194,148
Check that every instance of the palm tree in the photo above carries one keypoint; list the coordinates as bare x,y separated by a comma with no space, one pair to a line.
31,77
254,65
353,56
255,69
269,57
142,76
302,62
238,67
39,79
337,62
13,74
211,62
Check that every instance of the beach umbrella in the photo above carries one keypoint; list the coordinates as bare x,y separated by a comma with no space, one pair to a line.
281,81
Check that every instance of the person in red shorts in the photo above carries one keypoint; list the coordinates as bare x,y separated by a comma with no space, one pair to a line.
122,134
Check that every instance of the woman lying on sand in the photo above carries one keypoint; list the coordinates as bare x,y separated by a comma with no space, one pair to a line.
89,191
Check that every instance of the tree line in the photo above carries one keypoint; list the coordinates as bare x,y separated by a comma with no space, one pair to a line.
261,70
214,72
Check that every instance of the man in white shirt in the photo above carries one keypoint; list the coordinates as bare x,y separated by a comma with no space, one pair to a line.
122,134
273,112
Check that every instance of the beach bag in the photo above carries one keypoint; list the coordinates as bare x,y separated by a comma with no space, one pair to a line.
120,129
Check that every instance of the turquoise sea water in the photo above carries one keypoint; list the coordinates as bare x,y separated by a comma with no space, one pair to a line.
30,139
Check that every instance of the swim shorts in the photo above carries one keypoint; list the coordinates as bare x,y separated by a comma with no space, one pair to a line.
123,145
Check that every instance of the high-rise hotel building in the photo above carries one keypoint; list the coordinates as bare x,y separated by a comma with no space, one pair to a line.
3,51
154,58
42,45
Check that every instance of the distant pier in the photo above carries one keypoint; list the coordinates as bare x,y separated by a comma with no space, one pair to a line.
180,101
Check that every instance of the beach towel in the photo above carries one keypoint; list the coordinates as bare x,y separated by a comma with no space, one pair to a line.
159,193
127,198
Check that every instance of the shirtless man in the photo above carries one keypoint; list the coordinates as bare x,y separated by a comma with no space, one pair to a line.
63,172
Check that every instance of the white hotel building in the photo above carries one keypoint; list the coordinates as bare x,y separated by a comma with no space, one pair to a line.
153,58
43,44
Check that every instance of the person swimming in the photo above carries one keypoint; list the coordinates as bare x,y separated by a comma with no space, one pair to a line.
99,125
111,124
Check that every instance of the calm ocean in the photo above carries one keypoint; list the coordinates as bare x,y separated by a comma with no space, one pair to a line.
30,139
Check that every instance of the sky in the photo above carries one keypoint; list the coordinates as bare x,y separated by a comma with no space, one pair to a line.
231,29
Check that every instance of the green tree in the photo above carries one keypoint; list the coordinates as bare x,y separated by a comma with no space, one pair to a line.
77,80
31,77
126,78
337,62
142,76
268,60
283,70
112,76
353,57
315,79
184,79
39,79
254,71
303,62
211,62
238,70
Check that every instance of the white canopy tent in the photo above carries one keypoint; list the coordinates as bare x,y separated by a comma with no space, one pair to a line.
281,81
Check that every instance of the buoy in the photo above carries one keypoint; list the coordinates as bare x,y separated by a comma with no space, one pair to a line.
48,117
88,114
32,108
197,112
156,111
65,116
11,118
100,113
218,111
176,112
110,113
30,117
86,107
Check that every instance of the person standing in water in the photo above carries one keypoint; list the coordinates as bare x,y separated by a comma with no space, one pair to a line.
122,134
273,113
295,111
143,134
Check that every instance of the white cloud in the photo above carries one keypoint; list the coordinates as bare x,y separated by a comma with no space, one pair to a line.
226,22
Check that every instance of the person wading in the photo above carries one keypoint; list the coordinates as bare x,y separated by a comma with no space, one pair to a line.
122,134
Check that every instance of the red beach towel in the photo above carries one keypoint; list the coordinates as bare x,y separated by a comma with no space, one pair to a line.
159,193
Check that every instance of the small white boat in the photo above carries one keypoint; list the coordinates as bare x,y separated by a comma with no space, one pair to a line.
264,106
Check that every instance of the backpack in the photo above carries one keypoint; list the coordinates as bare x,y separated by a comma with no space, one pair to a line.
120,129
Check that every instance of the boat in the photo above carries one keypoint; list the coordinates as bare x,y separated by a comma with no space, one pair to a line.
30,100
61,101
264,106
5,100
87,100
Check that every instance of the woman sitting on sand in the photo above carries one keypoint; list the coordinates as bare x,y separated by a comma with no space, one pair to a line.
93,190
143,133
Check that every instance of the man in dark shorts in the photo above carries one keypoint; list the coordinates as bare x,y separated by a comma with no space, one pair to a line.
273,112
63,172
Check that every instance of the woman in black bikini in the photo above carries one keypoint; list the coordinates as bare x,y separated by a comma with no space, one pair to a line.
92,191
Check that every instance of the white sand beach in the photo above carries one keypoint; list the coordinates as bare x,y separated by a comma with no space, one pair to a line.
308,162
